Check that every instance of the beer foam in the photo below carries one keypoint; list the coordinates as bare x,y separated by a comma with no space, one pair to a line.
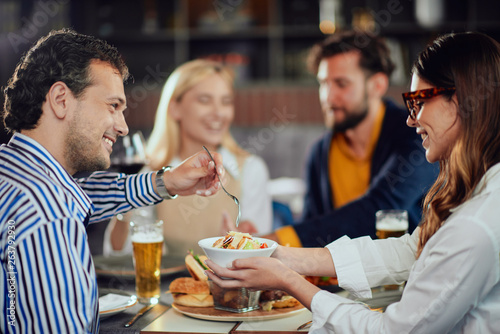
144,237
392,224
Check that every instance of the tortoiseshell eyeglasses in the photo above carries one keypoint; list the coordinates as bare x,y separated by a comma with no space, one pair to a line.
413,99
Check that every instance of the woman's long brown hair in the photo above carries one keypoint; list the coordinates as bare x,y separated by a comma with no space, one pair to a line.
471,63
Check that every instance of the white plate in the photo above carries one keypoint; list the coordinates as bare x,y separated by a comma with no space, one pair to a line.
112,304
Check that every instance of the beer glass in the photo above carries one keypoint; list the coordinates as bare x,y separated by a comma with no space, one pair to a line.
147,242
391,223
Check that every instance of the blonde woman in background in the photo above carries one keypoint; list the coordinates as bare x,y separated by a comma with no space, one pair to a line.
196,108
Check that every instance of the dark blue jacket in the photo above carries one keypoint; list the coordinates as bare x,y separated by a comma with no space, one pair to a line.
400,177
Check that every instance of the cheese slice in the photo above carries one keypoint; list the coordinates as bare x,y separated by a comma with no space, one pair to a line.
199,297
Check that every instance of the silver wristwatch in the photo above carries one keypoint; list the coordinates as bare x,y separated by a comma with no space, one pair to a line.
160,185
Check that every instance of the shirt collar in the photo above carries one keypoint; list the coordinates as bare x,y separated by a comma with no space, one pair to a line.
42,159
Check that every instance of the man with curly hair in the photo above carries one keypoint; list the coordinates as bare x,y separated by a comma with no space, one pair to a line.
65,105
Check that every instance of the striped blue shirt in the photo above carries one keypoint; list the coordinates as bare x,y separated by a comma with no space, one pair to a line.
47,278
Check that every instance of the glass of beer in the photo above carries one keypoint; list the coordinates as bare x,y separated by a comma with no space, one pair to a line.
147,241
391,223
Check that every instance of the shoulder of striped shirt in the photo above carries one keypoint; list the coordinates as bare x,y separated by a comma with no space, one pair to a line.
37,200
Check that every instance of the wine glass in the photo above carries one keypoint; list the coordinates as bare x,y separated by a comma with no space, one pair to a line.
129,154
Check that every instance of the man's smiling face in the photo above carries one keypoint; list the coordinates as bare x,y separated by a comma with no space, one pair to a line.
97,120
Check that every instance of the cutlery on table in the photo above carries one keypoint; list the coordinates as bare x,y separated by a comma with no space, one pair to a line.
305,325
139,314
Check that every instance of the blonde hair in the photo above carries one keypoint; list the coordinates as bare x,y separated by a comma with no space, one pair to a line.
164,142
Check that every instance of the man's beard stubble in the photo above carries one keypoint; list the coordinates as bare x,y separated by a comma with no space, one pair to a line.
351,121
354,117
79,152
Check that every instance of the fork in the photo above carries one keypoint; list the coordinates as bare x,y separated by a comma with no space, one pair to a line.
305,325
228,194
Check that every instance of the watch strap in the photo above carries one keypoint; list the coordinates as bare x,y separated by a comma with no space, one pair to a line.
160,184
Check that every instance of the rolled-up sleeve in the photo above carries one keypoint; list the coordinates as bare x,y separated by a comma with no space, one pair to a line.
335,314
363,263
349,267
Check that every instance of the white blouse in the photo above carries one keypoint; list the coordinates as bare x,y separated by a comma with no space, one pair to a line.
453,287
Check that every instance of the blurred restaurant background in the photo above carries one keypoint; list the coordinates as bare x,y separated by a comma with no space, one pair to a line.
266,42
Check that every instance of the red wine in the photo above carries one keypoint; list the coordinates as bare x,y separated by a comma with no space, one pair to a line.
133,168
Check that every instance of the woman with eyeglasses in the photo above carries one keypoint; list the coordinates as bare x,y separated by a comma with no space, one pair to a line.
451,261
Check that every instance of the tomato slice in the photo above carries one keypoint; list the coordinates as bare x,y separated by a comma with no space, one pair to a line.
263,245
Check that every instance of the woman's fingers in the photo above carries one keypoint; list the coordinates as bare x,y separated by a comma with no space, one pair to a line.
227,223
247,226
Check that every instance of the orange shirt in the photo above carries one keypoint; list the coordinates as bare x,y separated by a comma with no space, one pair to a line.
350,175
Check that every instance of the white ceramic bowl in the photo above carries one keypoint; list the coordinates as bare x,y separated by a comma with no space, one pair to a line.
225,257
